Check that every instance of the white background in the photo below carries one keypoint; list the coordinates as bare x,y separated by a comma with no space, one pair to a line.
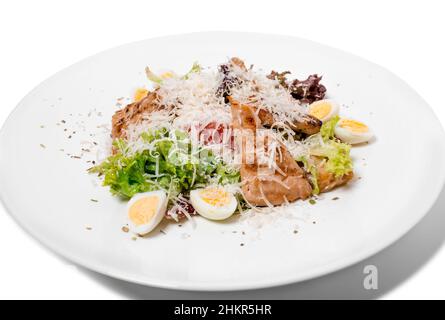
38,38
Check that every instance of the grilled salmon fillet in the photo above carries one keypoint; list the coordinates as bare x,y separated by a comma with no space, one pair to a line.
306,123
262,185
133,113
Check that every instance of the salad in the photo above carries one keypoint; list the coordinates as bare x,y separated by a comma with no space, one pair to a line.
231,140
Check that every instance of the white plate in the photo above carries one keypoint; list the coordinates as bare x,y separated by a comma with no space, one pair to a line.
49,193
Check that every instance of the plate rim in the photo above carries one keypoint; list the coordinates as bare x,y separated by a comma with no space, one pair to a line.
206,286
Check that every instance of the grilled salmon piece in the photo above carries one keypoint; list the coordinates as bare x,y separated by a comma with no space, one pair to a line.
306,123
261,185
133,113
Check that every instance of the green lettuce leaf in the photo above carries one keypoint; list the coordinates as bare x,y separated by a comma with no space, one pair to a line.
338,156
328,128
152,76
166,167
196,68
325,145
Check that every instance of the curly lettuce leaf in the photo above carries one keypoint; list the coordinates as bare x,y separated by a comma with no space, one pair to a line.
196,68
164,167
338,157
336,153
327,130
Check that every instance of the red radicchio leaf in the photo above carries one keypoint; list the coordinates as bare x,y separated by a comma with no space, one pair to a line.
185,206
307,91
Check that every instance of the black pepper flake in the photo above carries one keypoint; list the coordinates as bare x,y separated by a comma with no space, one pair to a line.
295,231
69,137
94,200
162,231
42,146
335,198
241,244
63,121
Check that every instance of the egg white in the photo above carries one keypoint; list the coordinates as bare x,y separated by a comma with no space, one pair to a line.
212,212
351,137
157,217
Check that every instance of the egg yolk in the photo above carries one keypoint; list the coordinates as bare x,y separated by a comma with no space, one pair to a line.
320,110
143,210
215,197
353,125
140,94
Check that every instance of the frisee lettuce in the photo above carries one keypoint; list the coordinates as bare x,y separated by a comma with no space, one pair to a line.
336,153
338,157
327,130
164,166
